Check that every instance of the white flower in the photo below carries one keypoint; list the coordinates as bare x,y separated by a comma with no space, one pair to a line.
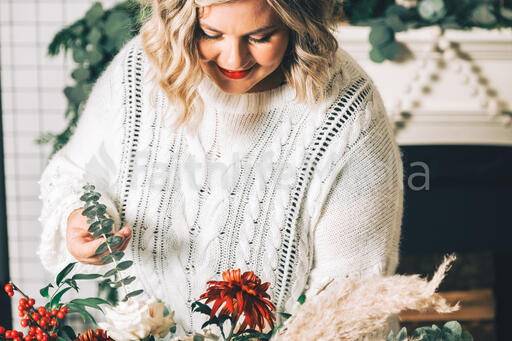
135,320
407,3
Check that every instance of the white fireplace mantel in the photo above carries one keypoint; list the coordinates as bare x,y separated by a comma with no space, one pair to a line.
450,112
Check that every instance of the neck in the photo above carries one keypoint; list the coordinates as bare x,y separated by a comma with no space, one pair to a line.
272,81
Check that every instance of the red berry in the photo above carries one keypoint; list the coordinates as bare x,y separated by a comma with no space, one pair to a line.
21,314
2,330
8,334
53,336
28,338
32,330
8,287
64,309
35,316
53,321
24,323
31,302
41,311
10,293
23,301
43,322
61,314
39,337
54,312
44,338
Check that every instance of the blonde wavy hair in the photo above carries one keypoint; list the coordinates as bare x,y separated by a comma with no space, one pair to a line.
170,35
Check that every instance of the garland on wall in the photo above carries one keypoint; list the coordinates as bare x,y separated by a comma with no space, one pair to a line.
96,38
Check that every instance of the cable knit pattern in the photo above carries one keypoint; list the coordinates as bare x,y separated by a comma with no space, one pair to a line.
297,193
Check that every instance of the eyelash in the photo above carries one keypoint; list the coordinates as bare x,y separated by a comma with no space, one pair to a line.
265,39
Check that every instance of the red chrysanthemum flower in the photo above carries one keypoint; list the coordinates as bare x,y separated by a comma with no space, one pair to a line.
241,294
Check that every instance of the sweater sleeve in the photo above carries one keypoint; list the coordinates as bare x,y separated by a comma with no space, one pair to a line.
358,231
92,155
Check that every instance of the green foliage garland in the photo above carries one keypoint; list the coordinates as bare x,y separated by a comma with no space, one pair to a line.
96,38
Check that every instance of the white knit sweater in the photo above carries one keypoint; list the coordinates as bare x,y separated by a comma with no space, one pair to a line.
297,193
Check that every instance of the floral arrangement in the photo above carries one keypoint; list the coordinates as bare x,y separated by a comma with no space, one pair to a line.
241,307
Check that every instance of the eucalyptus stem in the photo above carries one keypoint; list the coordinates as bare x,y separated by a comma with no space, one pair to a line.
115,264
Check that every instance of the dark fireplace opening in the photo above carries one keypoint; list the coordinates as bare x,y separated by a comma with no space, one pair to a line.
458,199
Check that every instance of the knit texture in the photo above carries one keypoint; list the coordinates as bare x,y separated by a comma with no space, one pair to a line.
297,193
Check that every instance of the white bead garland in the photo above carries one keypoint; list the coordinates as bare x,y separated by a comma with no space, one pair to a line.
427,71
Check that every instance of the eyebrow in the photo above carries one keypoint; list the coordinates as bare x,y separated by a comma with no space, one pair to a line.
258,31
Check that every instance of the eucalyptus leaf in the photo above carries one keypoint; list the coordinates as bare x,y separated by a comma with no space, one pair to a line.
94,13
452,331
110,273
64,272
115,241
376,56
128,280
390,50
124,265
89,187
80,75
102,248
402,334
380,35
90,211
94,56
466,336
432,10
75,94
133,294
484,15
94,226
79,55
94,36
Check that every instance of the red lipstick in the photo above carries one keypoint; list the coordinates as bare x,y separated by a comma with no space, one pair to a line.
234,74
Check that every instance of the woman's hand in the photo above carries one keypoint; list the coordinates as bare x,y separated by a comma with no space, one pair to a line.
82,245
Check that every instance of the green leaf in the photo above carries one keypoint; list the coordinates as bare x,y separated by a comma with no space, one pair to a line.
56,298
79,55
102,248
69,332
133,294
115,285
391,336
484,15
90,211
114,241
285,315
394,22
72,307
432,10
128,280
89,187
85,276
117,255
110,273
402,335
65,272
201,308
72,283
92,302
94,14
376,56
124,265
381,34
452,331
390,50
302,298
107,223
466,336
80,74
94,226
94,56
75,95
44,291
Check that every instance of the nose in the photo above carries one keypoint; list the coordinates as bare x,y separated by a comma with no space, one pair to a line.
236,55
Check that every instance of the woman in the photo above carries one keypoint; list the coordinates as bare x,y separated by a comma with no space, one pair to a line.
255,144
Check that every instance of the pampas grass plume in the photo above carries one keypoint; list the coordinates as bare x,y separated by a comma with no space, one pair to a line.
359,308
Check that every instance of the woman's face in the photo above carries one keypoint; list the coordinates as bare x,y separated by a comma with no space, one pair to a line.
241,45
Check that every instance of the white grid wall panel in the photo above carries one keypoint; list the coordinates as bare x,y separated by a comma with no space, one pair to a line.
32,103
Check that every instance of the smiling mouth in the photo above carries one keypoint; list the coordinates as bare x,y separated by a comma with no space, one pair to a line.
235,74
